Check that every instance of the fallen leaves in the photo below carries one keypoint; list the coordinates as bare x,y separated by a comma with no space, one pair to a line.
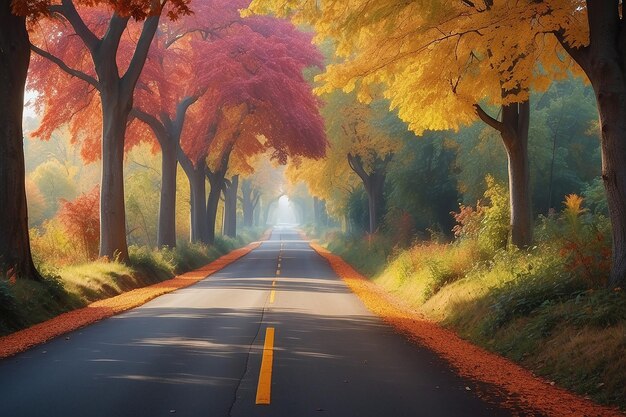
524,389
67,322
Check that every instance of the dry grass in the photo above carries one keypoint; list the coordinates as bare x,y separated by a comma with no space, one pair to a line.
525,389
39,333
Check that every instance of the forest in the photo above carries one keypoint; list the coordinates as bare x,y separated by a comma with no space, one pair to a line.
469,157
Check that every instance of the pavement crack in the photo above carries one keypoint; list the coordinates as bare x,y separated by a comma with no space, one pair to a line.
245,368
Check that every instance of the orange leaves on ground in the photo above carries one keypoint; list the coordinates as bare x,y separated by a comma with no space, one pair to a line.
524,389
67,322
81,220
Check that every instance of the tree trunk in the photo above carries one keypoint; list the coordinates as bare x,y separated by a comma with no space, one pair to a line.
604,63
516,118
15,256
112,210
374,184
216,182
612,109
230,207
166,235
247,203
514,133
375,189
197,188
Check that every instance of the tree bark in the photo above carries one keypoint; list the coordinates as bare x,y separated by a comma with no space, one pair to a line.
604,62
112,210
166,234
230,207
216,180
15,255
197,187
513,130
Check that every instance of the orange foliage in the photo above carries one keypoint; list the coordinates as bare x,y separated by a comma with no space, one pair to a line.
533,394
81,220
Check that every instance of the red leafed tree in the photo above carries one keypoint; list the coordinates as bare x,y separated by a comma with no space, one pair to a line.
81,220
257,99
93,57
209,84
160,109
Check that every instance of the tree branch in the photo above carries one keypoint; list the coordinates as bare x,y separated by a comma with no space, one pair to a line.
113,35
155,124
580,55
141,52
499,126
357,166
67,10
59,62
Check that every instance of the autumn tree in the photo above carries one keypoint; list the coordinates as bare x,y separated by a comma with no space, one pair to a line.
593,33
93,62
257,100
161,103
15,255
442,66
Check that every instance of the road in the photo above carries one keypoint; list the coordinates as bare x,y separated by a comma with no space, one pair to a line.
198,352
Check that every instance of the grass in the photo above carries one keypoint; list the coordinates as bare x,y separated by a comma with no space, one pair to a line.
24,303
531,306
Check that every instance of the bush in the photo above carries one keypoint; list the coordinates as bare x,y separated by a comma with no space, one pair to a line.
581,239
186,256
81,220
150,263
486,225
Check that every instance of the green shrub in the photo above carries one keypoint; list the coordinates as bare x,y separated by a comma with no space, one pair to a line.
150,263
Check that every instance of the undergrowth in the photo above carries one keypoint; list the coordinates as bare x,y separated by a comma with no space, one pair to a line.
546,307
70,285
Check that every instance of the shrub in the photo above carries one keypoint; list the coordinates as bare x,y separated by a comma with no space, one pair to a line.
582,239
81,220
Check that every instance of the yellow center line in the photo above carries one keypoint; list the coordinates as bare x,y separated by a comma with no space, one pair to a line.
278,265
278,272
272,296
265,375
274,283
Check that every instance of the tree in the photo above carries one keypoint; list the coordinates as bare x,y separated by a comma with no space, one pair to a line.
15,256
592,33
250,197
440,65
161,103
257,101
107,39
230,206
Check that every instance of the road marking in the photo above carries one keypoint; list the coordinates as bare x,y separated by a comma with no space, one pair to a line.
272,296
278,272
265,375
278,265
274,283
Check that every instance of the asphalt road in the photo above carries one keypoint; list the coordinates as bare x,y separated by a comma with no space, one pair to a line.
198,352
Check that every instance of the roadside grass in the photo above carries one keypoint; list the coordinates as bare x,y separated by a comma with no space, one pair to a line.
24,303
529,306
